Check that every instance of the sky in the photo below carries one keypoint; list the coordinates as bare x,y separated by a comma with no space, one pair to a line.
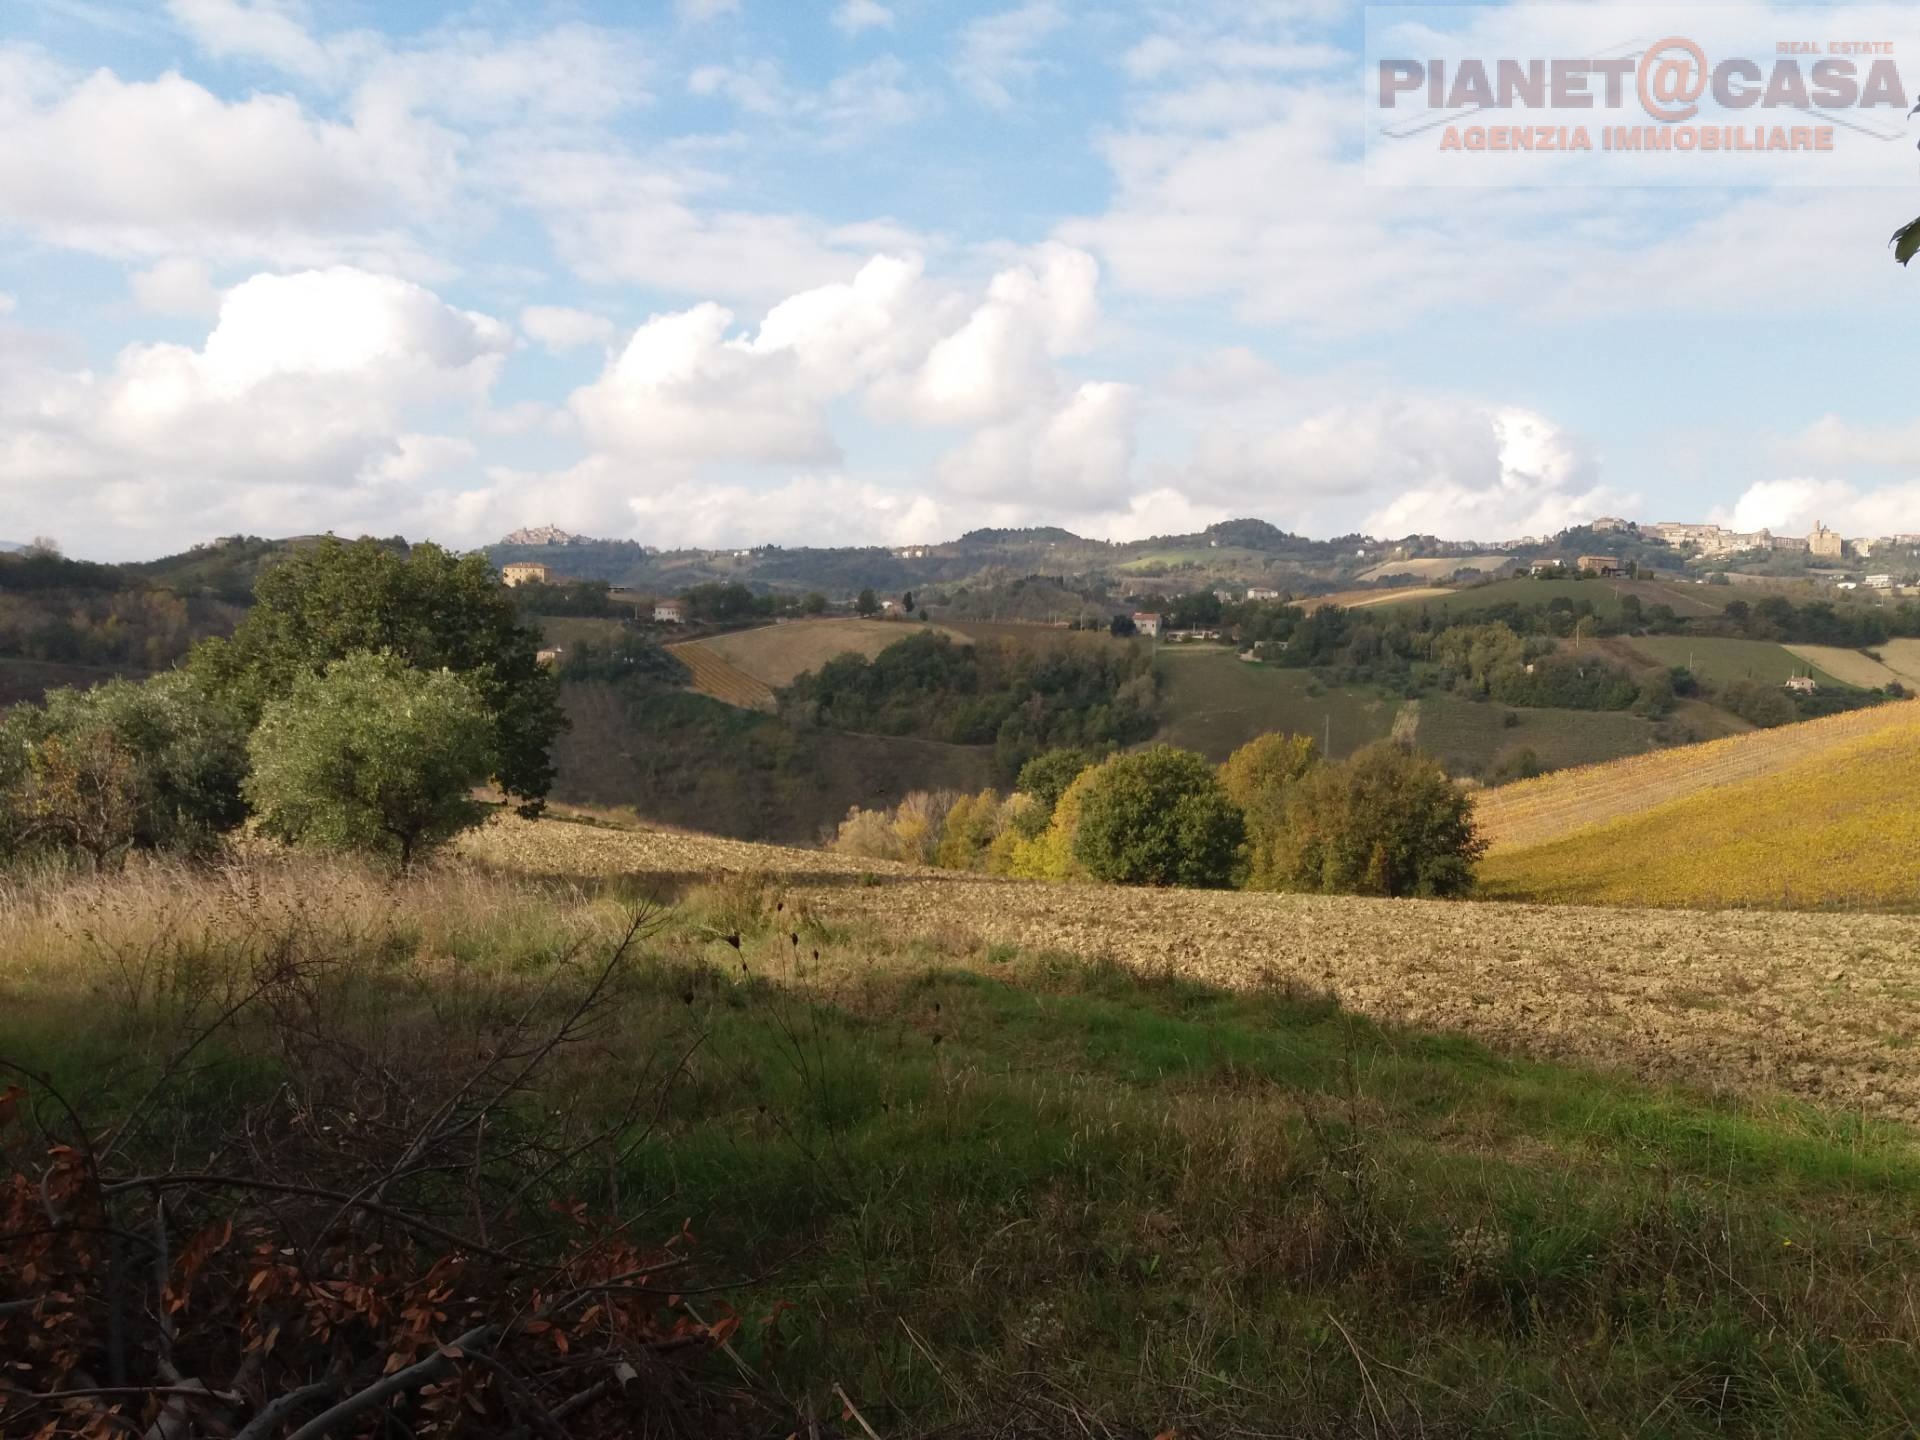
730,272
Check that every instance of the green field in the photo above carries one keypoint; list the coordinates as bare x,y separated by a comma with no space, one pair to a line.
1604,595
1721,661
1472,738
567,631
1215,703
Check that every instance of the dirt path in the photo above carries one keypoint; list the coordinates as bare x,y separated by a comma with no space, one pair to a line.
1820,1006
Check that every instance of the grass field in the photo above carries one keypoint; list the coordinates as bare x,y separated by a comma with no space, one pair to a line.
1835,828
1471,738
568,631
1720,661
1439,567
1214,703
1367,599
1903,658
775,654
1015,1160
1604,595
1849,667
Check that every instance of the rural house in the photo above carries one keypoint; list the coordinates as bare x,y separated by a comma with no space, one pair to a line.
1802,685
1261,592
1147,622
525,572
1601,565
670,612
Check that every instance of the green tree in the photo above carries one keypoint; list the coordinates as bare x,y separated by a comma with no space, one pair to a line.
813,603
1258,777
428,608
1158,817
1043,780
151,765
868,603
1385,822
372,755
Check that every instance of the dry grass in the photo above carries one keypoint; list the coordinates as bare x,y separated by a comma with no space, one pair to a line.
1438,567
1849,667
1817,1005
1903,658
1554,806
1361,599
775,655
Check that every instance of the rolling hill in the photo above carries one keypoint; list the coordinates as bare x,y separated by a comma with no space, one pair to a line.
1819,814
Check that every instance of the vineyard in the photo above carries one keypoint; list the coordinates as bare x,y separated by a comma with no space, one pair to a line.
719,678
1836,829
1554,806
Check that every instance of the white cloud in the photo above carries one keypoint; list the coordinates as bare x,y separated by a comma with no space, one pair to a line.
1077,457
560,328
176,286
1831,443
854,16
274,31
699,12
997,58
165,166
8,303
1792,506
295,413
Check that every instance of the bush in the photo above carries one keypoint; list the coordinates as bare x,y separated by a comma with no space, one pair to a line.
149,765
1760,704
1386,822
1257,778
372,756
1158,817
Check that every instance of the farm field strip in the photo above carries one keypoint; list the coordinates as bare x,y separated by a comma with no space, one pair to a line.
1903,658
1838,829
1849,667
718,678
1534,811
774,655
1818,1005
1722,660
1366,599
1437,566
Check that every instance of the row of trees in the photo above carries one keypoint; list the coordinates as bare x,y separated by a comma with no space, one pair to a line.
364,697
1021,699
1275,816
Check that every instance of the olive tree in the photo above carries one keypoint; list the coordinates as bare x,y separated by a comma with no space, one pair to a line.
372,755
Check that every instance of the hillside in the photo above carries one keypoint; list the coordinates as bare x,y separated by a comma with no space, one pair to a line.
771,656
1819,814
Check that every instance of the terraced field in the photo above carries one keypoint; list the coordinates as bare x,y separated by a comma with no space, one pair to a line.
1818,1005
714,675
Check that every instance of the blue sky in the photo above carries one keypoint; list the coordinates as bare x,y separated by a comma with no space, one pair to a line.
730,271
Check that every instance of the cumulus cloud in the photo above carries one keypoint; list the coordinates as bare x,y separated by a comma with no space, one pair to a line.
165,166
1793,505
854,16
561,328
295,409
176,286
1074,458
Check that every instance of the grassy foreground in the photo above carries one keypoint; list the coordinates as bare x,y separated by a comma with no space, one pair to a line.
992,1192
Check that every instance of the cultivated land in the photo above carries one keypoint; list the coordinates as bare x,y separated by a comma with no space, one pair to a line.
1903,658
1367,599
1213,702
1721,661
1604,595
1554,806
775,655
1439,567
1473,737
1837,828
1849,667
711,674
1734,1001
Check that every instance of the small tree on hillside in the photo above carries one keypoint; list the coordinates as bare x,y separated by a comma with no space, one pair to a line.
868,603
372,756
1386,822
1121,626
1158,817
1258,778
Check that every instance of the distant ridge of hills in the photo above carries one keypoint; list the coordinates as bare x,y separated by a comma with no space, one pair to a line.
7,545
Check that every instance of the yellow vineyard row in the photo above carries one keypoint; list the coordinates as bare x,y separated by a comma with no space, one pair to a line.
716,677
1536,811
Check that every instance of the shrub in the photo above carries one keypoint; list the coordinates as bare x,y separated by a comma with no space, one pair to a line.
1257,778
150,765
1158,817
372,756
1760,704
1386,822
